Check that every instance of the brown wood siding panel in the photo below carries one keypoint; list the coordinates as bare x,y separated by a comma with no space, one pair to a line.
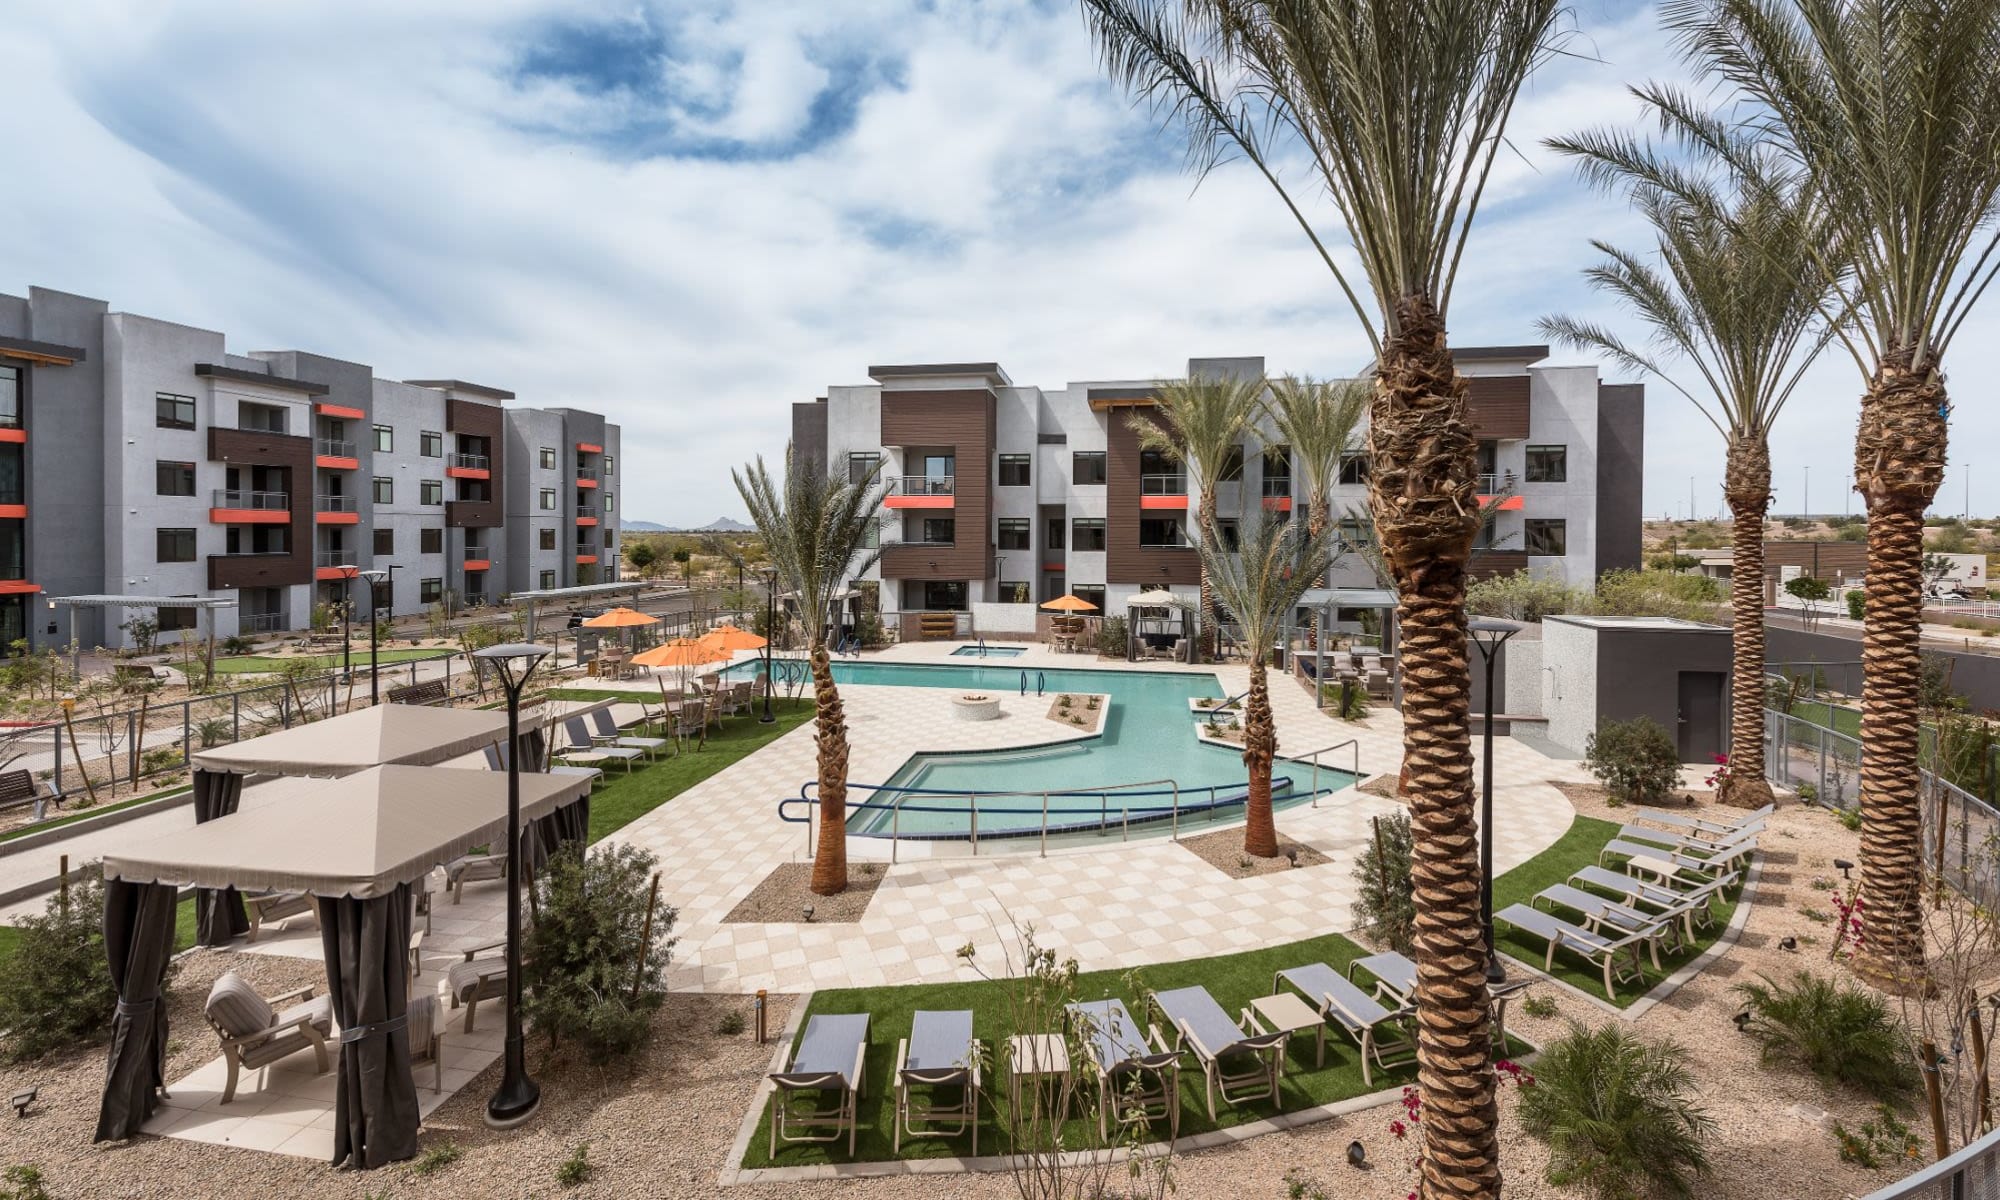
1486,564
962,419
481,420
1125,561
257,448
472,514
1497,406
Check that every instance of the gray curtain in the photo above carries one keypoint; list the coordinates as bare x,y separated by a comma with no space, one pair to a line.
219,915
138,942
533,750
545,835
368,978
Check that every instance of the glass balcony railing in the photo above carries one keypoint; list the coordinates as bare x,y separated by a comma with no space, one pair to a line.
470,462
335,504
1163,485
336,558
333,448
262,622
1278,488
927,485
267,501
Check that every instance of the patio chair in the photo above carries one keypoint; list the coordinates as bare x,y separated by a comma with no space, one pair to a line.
472,868
477,979
1123,1061
940,1053
1694,908
497,756
1202,1026
279,907
1396,976
1690,846
608,735
1701,832
1605,916
426,1030
689,720
826,1073
255,1034
582,751
1364,1018
1601,949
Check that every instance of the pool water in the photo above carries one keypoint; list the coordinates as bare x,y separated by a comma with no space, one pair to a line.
989,652
1146,738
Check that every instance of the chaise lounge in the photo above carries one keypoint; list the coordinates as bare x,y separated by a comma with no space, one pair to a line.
826,1064
1365,1019
1123,1061
939,1054
1202,1026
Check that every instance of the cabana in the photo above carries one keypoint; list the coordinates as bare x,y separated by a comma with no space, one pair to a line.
356,845
1158,614
403,734
1329,603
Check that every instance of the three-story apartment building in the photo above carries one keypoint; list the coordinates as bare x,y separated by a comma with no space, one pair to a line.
140,457
1003,496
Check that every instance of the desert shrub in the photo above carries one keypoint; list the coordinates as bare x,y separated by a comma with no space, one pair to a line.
212,732
1111,636
1520,597
1349,702
730,1023
55,988
1857,604
1878,1142
574,1171
583,978
1635,760
1619,1114
435,1159
236,643
1387,904
1839,1032
1539,1006
22,1182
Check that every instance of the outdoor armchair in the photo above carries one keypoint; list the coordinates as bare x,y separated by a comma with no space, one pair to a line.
255,1034
477,979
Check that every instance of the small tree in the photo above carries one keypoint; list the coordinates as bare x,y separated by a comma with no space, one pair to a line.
55,988
1619,1114
145,631
642,555
1809,591
595,969
1387,905
1636,760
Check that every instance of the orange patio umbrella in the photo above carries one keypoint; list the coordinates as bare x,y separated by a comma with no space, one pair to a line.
620,618
731,639
1070,604
681,652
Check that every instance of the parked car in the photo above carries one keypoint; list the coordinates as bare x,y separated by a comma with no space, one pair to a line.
1948,594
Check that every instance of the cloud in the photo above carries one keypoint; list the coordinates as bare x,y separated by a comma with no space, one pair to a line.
692,214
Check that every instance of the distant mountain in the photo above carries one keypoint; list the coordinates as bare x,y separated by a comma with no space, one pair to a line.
724,525
643,527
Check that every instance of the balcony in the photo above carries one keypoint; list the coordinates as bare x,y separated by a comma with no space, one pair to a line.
476,560
262,622
335,564
334,455
1496,487
468,466
922,491
1177,540
232,507
336,510
1164,491
586,515
1277,492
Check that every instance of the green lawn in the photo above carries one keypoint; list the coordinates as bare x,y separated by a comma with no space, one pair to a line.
10,935
1836,717
265,664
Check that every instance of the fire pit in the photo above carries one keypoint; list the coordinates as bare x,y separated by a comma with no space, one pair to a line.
975,706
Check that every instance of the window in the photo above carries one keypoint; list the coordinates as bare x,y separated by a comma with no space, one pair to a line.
1056,532
385,542
385,439
1548,464
1013,470
610,502
547,538
269,418
430,491
171,619
1155,532
175,545
430,444
1013,593
945,594
547,458
1227,531
1092,592
1087,533
861,468
175,478
610,465
1087,467
940,531
1543,535
1354,467
1232,465
385,490
10,397
430,591
546,581
173,412
1013,533
1356,531
548,499
430,541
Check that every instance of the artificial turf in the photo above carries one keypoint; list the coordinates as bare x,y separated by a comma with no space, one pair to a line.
265,664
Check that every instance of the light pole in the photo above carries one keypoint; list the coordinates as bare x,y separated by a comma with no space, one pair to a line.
347,624
518,1096
1489,636
770,635
374,576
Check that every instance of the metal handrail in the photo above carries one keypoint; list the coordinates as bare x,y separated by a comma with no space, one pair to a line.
1351,743
1172,484
925,485
245,498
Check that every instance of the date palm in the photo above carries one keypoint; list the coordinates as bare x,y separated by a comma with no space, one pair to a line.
1317,419
1732,291
1891,110
1399,109
1261,584
816,532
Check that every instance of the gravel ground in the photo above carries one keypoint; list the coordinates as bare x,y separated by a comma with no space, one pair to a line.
785,892
1223,850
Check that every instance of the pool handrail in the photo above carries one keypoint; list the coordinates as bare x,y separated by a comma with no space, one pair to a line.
1353,744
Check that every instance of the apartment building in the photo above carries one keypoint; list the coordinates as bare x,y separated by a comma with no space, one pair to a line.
1003,495
142,457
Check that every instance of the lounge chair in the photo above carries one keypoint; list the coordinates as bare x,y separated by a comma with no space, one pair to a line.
497,756
1694,908
828,1061
1602,915
1716,827
608,735
278,907
583,751
1694,847
1123,1061
255,1034
1202,1026
1602,949
1365,1019
477,979
939,1053
1396,975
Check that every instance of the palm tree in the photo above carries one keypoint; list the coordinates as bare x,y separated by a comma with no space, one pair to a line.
1400,110
1317,419
815,533
1199,425
1735,295
1261,583
1891,110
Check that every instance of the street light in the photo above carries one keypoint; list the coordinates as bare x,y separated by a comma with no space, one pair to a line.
374,576
770,635
518,1096
347,624
1489,636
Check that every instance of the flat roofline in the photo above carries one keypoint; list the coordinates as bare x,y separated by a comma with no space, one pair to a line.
220,371
1499,353
985,370
48,353
460,385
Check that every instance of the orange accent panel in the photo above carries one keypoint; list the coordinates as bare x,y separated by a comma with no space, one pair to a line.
334,572
920,502
1174,502
1510,504
16,511
17,436
585,558
249,516
18,587
340,410
1278,503
586,521
478,564
590,447
586,483
467,473
337,518
1052,566
335,463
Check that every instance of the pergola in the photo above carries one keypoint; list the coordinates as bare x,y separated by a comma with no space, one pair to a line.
208,605
1328,601
570,595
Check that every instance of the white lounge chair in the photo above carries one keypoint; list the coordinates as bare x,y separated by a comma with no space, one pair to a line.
1694,907
255,1034
608,734
1375,1028
497,756
1601,949
1606,916
1396,981
940,1053
1202,1026
583,750
1714,828
827,1063
1123,1062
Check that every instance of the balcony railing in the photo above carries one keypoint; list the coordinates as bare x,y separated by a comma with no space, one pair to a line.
262,622
469,462
926,485
1163,485
336,558
586,511
1493,483
589,473
267,501
1174,541
332,448
335,504
1277,488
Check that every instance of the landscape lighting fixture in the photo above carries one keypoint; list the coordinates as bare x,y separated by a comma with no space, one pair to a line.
809,912
1843,866
1357,1155
21,1101
1788,942
1742,1020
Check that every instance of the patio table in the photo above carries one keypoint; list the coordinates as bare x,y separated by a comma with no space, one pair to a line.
1034,1059
1286,1013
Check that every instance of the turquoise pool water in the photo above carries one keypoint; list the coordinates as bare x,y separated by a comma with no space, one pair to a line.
1148,737
989,652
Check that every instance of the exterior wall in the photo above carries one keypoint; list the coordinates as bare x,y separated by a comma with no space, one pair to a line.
1647,667
1523,676
529,432
1569,687
962,419
809,432
1621,463
409,411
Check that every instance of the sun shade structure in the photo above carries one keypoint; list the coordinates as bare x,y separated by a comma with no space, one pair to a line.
620,618
396,734
681,652
1068,603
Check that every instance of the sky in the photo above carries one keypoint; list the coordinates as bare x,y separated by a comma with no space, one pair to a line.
690,214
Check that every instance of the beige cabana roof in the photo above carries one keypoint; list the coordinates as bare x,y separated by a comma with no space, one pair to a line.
408,734
359,836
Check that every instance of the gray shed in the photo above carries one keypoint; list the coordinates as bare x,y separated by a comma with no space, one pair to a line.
1597,669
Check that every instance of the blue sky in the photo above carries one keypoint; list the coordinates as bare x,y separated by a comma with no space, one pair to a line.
691,214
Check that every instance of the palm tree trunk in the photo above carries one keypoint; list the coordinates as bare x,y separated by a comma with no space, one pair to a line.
1260,746
1898,465
1422,491
1319,513
829,875
1748,487
1211,634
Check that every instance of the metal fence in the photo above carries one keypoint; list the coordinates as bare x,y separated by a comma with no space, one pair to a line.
1971,1174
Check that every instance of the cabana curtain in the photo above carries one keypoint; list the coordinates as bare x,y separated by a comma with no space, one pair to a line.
375,1113
139,943
219,915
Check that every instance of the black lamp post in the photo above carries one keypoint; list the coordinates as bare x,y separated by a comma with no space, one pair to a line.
374,577
347,624
770,635
518,1096
1489,636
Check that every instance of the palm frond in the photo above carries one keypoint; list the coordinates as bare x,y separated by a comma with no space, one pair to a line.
1275,562
1196,423
816,528
1317,419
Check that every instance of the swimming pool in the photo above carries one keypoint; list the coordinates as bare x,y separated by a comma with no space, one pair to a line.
1147,737
989,652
